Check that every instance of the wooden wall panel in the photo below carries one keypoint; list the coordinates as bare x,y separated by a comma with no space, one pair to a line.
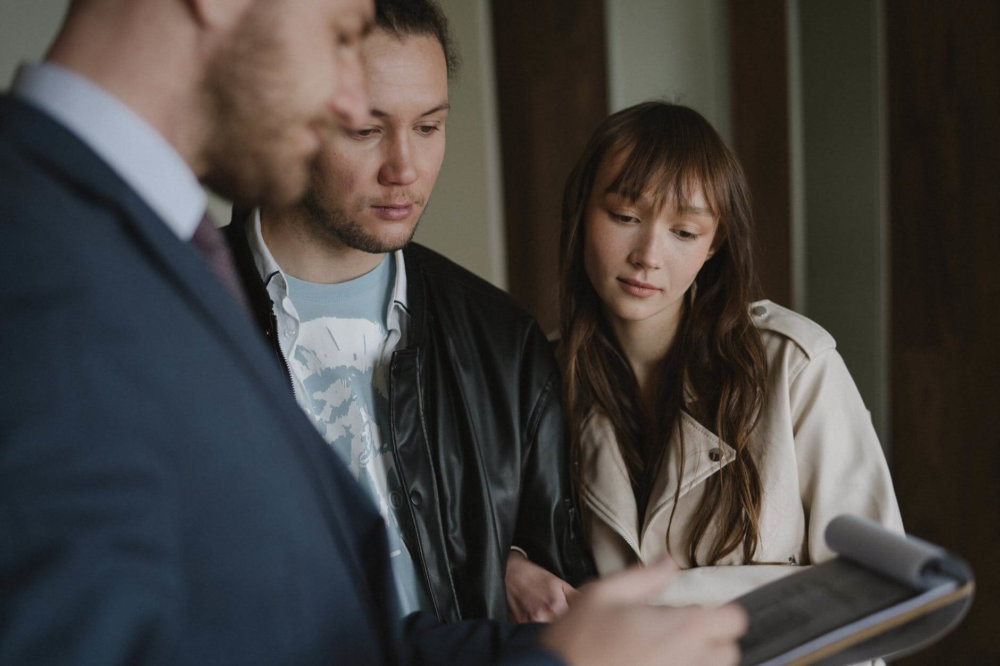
759,61
552,91
944,142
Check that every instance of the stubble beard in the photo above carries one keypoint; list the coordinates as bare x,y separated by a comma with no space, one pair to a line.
245,152
338,226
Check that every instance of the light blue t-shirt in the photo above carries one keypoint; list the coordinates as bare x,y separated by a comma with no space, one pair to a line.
340,364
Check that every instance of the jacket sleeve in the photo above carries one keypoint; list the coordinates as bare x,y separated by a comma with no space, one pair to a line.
429,642
548,528
842,468
87,562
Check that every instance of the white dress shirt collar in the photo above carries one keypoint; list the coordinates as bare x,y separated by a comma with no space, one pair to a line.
277,287
130,146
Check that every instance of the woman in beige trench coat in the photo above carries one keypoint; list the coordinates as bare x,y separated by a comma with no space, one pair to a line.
724,431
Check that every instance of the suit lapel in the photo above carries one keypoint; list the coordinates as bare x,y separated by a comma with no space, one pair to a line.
57,150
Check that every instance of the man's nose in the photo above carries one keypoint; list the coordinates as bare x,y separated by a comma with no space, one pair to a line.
399,167
349,102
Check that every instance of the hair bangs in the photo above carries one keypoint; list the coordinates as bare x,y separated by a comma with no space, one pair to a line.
665,157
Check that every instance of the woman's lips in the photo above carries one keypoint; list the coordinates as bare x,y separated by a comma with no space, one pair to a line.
637,287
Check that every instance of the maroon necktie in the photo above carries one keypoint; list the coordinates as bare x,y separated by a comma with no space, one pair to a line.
213,247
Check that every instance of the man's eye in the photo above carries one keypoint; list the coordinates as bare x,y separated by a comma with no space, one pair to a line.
345,39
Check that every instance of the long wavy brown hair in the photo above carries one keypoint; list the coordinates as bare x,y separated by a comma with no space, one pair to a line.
716,367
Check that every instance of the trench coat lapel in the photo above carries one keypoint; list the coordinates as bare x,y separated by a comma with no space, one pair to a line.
701,445
608,493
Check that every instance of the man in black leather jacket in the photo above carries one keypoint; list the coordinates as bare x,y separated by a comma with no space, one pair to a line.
474,422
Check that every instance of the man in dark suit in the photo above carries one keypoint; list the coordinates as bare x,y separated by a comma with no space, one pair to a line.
162,499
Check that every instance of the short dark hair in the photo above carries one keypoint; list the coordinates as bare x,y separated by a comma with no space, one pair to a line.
418,17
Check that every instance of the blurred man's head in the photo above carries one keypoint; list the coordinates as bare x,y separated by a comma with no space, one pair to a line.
242,89
287,75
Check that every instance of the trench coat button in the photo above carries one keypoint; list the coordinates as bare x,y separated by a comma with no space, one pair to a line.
758,311
715,455
416,498
395,499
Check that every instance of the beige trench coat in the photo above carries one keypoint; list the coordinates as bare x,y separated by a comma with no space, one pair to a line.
817,454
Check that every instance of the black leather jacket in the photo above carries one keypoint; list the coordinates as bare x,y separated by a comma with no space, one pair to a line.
476,431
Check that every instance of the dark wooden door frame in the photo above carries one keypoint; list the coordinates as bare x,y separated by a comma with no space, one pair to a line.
760,122
552,92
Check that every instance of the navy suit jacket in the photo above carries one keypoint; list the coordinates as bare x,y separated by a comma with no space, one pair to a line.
162,498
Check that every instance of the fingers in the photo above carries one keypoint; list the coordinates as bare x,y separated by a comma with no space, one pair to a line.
698,635
533,593
548,613
603,630
730,622
726,654
637,584
713,626
517,612
558,601
553,601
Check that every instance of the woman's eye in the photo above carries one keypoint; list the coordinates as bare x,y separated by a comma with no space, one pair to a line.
621,217
684,234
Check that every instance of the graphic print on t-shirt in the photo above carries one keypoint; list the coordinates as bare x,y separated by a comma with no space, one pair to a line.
339,359
338,364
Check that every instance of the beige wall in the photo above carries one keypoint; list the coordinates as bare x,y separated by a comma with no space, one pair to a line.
464,220
841,221
675,50
26,30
